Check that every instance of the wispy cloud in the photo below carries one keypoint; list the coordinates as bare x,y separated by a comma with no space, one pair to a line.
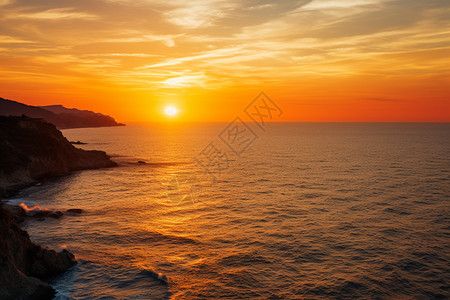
198,13
5,2
203,56
54,14
128,55
344,4
185,80
12,40
382,99
168,40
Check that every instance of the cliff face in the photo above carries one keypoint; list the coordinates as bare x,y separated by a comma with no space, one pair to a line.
23,262
32,149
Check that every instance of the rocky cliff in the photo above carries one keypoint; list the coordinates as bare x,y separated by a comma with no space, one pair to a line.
23,262
32,149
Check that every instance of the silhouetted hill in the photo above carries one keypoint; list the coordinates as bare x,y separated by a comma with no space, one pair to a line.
59,109
13,108
81,118
60,116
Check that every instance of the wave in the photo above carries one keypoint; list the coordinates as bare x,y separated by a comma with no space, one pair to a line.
243,259
30,208
159,276
17,201
93,280
126,160
140,237
168,238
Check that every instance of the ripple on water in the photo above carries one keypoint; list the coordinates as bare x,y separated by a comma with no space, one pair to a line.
90,280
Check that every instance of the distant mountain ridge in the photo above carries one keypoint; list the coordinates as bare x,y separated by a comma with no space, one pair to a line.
60,116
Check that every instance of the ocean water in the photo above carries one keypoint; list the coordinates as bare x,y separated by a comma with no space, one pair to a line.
305,211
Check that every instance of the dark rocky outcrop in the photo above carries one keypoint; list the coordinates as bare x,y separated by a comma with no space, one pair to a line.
59,115
56,214
75,211
32,149
23,263
19,213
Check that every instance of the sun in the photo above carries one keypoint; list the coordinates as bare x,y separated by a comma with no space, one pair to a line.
171,111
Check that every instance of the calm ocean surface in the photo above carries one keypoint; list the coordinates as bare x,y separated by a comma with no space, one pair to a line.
307,211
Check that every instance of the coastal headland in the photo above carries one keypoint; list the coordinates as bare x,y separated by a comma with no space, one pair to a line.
32,150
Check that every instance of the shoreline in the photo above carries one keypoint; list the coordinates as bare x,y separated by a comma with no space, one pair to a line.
33,151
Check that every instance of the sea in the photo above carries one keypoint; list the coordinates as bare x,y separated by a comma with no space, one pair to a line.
242,211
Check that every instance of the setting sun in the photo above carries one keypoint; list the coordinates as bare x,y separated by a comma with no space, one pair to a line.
171,111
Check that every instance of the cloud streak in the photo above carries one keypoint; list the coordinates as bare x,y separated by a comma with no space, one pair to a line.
55,14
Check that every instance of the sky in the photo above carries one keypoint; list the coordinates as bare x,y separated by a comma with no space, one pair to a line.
318,60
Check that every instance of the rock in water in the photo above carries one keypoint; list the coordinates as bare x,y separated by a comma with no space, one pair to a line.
75,210
56,214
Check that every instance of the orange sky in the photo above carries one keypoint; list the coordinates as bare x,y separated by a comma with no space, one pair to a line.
320,60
